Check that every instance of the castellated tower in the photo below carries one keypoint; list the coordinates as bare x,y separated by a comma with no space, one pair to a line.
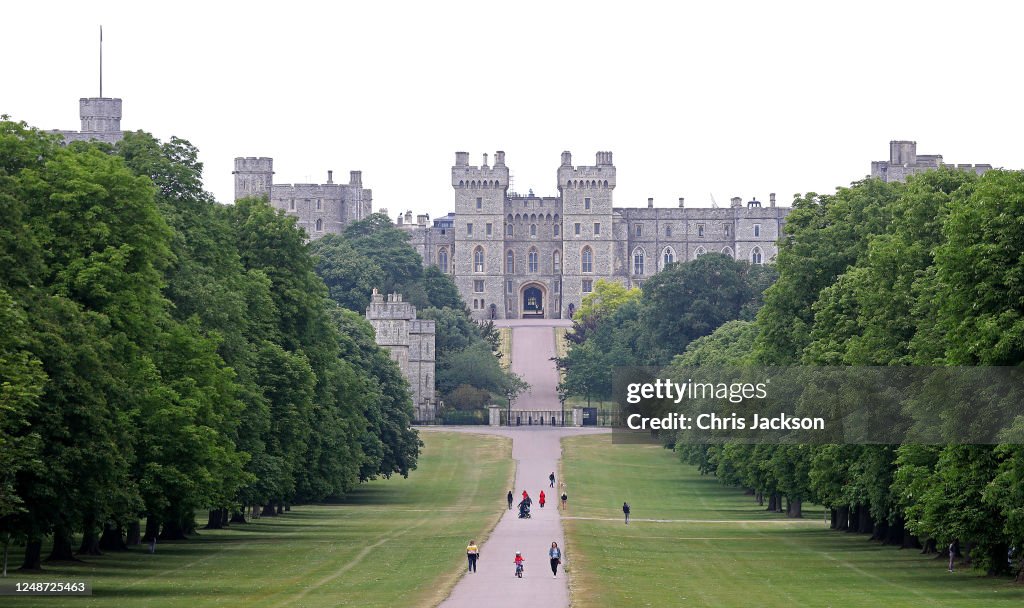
100,114
253,176
587,223
479,231
410,341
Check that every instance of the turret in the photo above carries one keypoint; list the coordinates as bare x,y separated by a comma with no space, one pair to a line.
100,114
253,176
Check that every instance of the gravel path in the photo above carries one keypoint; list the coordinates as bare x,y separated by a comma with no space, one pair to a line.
537,452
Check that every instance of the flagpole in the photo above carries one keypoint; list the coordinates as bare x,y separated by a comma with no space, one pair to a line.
101,61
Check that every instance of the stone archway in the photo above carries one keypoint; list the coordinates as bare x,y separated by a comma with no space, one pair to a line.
532,298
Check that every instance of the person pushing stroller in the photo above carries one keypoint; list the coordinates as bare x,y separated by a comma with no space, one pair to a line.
524,508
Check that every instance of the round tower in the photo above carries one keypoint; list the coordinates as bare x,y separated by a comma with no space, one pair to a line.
253,176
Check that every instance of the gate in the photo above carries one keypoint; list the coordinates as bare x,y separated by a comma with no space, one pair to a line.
534,418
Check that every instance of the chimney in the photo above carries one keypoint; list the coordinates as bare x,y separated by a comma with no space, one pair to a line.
566,159
736,201
771,199
650,203
681,199
408,217
499,159
462,159
355,178
330,176
400,218
485,159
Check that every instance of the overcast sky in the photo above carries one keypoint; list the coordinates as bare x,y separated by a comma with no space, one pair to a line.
696,99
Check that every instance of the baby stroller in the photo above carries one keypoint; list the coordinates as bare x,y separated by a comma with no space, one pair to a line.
524,510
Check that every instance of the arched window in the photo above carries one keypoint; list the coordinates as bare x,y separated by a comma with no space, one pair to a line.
587,260
728,251
510,262
442,260
533,229
478,259
556,262
638,261
668,256
532,260
699,252
319,225
755,256
510,230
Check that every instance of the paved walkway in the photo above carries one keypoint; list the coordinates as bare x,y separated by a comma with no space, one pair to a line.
536,452
533,347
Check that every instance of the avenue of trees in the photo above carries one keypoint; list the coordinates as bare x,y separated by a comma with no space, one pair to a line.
375,253
163,354
927,273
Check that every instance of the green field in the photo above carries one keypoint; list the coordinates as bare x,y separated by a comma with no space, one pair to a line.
730,552
397,542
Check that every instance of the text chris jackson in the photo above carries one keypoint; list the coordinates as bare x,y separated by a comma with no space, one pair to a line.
714,422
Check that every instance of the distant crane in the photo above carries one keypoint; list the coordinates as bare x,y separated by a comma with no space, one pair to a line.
714,203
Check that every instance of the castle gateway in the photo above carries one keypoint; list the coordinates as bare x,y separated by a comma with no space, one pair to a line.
524,256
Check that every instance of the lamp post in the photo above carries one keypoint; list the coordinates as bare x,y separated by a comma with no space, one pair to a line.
508,415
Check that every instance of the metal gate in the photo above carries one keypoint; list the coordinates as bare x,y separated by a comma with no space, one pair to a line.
535,418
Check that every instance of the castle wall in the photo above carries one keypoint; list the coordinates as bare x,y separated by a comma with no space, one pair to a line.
904,161
410,341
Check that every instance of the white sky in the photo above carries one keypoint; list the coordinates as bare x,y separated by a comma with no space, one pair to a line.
695,99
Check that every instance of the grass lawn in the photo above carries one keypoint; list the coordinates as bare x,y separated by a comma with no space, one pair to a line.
397,542
730,552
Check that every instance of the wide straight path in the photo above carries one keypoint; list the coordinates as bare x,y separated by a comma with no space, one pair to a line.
533,348
536,451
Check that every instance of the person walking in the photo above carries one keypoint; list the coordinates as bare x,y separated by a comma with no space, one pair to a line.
952,554
510,500
541,499
556,558
564,498
472,554
551,479
625,511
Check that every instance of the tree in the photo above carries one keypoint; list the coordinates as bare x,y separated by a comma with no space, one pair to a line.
350,276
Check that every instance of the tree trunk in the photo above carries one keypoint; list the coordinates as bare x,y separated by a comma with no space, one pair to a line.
865,525
280,509
795,508
759,497
998,564
774,503
33,555
134,534
287,508
881,532
173,531
61,551
112,539
214,520
833,518
90,541
910,541
843,518
269,510
239,517
929,547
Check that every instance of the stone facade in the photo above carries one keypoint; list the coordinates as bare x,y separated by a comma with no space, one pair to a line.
101,121
514,256
320,208
411,344
904,161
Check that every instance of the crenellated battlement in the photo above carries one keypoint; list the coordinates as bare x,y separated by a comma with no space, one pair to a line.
484,176
600,175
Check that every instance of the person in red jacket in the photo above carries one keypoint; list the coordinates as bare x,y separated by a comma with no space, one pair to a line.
541,499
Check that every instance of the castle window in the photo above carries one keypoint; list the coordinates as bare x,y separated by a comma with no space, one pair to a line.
319,225
558,286
727,251
479,203
700,230
508,287
510,262
442,260
588,286
597,228
757,231
668,229
469,228
699,252
755,255
478,286
586,203
556,262
555,230
488,229
478,259
725,229
638,261
668,256
587,260
532,260
533,229
639,230
510,230
291,204
576,228
319,206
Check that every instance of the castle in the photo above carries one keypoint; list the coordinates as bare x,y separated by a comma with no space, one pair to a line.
320,208
904,161
525,256
101,121
411,344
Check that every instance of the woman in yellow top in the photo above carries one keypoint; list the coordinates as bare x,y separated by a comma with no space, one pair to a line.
472,554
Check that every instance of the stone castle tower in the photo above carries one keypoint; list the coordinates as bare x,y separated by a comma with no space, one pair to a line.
411,344
320,208
101,121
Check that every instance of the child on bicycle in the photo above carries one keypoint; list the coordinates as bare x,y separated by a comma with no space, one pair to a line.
519,564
